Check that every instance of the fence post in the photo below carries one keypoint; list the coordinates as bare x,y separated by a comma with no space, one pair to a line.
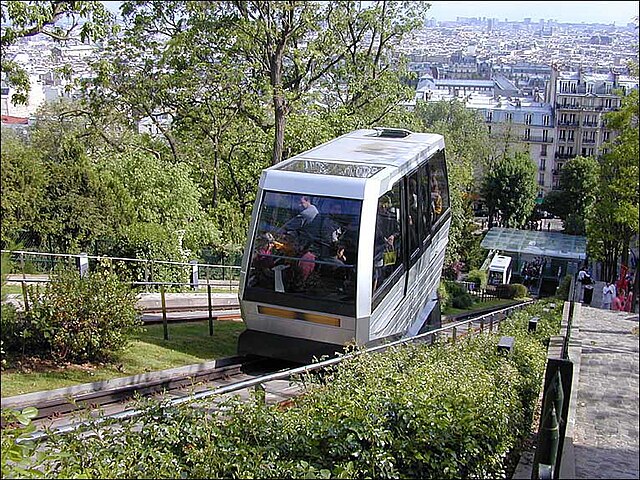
22,265
24,295
194,274
83,264
164,314
549,434
146,276
210,310
454,334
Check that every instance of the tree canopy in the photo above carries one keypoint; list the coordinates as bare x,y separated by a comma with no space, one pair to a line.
613,220
510,189
578,188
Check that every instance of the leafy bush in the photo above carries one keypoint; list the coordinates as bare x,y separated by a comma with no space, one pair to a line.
462,301
447,411
74,318
479,277
455,289
519,290
512,290
443,295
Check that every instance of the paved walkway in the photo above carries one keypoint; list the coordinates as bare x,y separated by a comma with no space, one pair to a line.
605,435
602,431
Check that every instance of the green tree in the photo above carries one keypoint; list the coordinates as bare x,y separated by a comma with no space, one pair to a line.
207,67
23,187
24,19
165,217
578,186
510,189
613,220
468,147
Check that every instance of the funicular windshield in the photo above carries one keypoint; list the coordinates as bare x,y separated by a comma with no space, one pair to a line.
304,253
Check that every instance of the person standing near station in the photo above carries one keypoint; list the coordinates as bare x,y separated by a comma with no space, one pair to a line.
619,301
608,294
587,285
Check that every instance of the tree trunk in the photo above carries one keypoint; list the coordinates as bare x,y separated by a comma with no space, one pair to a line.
280,108
625,248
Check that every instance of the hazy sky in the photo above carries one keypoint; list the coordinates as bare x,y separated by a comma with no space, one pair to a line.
621,12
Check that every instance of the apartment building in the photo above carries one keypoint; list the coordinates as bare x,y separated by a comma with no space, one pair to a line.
519,123
567,122
581,101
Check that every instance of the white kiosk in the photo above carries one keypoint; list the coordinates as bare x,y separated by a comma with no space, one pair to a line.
500,270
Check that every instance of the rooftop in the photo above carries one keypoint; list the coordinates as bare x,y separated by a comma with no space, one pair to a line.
535,242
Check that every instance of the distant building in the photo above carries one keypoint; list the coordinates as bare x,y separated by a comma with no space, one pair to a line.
581,100
518,121
555,124
154,124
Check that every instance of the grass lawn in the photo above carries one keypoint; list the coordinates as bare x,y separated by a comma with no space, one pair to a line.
188,343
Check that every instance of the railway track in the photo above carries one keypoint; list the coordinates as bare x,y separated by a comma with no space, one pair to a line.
64,409
190,314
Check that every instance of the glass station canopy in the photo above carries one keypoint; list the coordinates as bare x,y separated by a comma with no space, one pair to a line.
538,243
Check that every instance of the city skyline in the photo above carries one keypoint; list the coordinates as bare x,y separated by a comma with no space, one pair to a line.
607,12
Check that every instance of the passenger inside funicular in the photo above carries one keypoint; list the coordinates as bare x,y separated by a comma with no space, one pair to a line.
305,245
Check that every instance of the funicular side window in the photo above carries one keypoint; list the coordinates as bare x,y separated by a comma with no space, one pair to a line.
387,248
438,187
413,213
304,253
425,202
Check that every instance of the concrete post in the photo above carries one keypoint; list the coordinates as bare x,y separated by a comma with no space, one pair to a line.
83,264
194,274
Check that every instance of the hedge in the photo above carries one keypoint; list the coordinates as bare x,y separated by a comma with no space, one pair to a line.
445,411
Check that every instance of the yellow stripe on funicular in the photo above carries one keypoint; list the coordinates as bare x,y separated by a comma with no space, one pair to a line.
293,315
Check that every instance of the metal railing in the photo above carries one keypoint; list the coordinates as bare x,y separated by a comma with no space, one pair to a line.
162,287
556,396
198,273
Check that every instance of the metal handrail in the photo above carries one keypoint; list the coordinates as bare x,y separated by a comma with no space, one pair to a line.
104,257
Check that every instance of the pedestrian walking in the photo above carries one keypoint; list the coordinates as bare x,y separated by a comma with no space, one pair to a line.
608,294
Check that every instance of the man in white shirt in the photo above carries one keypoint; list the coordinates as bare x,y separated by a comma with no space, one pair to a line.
608,292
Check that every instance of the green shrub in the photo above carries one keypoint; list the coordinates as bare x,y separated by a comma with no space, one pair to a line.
446,411
462,301
75,318
443,295
479,277
455,289
519,290
511,290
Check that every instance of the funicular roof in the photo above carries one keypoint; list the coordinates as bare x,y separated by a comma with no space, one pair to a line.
534,242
